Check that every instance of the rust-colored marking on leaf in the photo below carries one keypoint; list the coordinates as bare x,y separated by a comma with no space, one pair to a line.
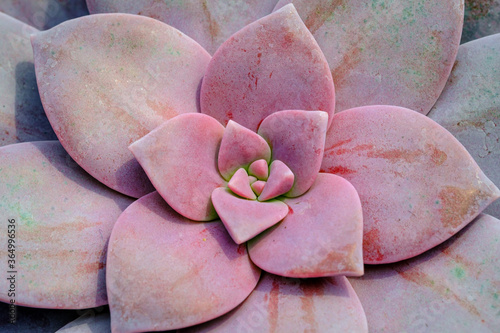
424,280
329,151
458,203
213,26
310,288
438,156
371,246
161,108
340,170
273,306
321,13
349,60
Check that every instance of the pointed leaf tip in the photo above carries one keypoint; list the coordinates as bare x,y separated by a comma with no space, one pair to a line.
244,219
240,184
364,42
418,185
469,106
245,81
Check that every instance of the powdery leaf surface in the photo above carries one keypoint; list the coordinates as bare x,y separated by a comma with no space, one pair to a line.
180,158
21,113
321,235
386,52
167,272
482,18
451,288
291,305
107,80
44,14
470,106
210,23
404,167
63,219
272,64
297,138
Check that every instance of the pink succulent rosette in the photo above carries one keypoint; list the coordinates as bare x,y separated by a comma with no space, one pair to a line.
260,184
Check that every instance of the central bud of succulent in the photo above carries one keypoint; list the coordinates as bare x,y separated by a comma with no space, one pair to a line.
262,169
260,183
250,203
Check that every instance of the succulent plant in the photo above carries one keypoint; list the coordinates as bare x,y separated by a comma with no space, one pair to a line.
223,166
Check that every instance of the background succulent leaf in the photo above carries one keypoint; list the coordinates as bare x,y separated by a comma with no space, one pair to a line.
63,219
210,23
395,52
44,14
448,288
22,117
482,18
469,106
291,305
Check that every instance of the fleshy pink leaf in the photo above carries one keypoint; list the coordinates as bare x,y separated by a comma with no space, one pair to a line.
107,80
453,287
258,186
470,106
244,219
386,52
289,305
21,113
270,65
166,272
321,235
418,185
62,219
240,147
180,159
297,139
259,169
44,14
210,23
280,181
240,185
